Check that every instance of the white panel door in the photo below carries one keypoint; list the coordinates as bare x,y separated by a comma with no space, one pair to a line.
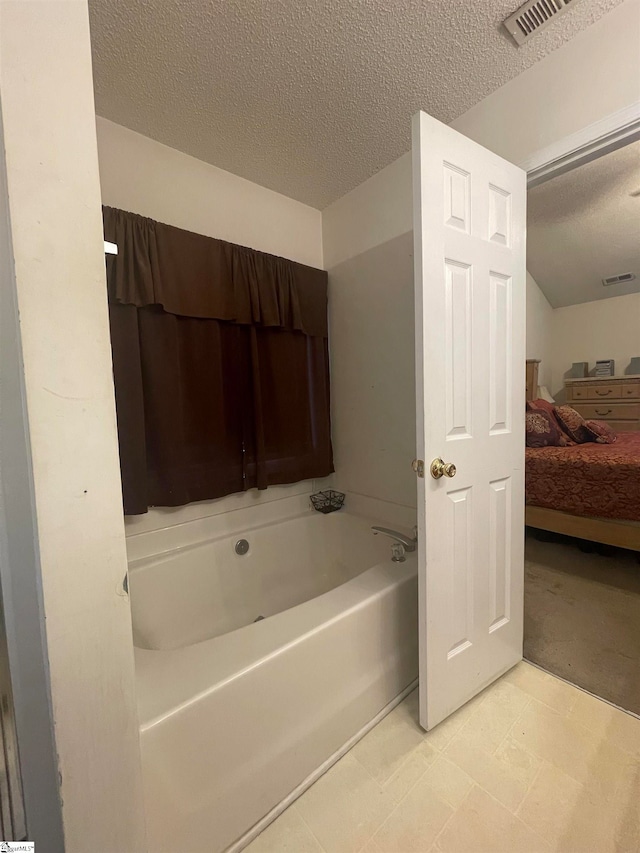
470,267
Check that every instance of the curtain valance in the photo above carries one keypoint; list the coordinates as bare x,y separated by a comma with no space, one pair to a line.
191,275
220,363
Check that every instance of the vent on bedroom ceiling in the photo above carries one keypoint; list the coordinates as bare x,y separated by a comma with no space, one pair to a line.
618,279
535,16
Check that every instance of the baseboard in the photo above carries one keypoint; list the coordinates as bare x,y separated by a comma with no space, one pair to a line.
275,812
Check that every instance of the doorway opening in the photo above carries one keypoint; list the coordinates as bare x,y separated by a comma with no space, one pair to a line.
582,552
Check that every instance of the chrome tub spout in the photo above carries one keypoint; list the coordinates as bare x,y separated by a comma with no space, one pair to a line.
408,543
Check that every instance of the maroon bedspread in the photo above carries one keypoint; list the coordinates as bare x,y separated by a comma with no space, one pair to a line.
588,479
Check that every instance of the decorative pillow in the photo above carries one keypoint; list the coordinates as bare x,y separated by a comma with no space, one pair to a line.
604,433
542,430
541,405
574,424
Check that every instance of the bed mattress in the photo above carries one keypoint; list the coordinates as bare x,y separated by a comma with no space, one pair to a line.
592,480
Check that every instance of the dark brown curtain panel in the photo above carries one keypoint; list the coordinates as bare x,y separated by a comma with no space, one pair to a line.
221,365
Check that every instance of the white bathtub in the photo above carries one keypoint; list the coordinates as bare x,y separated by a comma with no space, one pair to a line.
234,714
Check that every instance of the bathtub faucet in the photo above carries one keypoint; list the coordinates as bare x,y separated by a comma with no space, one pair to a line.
407,543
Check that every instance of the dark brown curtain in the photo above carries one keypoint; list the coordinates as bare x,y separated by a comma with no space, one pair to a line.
221,365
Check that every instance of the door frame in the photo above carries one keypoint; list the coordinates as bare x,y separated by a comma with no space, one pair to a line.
24,664
594,140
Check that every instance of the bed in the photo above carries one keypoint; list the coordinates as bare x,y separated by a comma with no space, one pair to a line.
590,491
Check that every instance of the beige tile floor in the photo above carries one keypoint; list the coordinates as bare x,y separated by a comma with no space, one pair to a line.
532,764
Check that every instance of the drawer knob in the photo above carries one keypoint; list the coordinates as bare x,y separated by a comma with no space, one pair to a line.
608,412
603,393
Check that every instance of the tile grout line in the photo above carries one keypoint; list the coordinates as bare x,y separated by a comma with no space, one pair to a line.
507,768
301,816
404,762
541,761
382,786
473,713
582,689
493,753
517,817
529,789
530,828
454,812
397,805
510,729
543,764
529,699
439,754
537,698
604,734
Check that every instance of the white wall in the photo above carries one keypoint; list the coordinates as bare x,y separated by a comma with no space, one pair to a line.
588,78
539,325
143,176
378,210
537,108
53,190
372,367
606,328
585,80
371,314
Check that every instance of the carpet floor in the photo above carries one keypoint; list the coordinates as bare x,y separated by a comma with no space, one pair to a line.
582,617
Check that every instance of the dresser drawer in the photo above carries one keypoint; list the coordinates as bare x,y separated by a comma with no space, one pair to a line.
609,411
605,391
631,391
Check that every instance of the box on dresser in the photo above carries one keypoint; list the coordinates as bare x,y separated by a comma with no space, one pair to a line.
614,399
606,367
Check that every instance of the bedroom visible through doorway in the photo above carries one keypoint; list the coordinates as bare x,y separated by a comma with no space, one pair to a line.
582,569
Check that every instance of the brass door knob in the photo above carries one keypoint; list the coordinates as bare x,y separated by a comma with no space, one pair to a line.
442,469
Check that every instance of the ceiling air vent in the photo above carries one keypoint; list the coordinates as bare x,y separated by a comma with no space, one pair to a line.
618,279
535,16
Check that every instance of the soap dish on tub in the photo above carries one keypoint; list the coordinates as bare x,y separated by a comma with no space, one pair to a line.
328,501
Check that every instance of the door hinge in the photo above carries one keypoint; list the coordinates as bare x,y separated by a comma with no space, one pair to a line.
418,467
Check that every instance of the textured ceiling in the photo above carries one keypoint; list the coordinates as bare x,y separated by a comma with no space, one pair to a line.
585,226
307,97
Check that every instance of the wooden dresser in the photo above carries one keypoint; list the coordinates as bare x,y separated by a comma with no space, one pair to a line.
614,399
